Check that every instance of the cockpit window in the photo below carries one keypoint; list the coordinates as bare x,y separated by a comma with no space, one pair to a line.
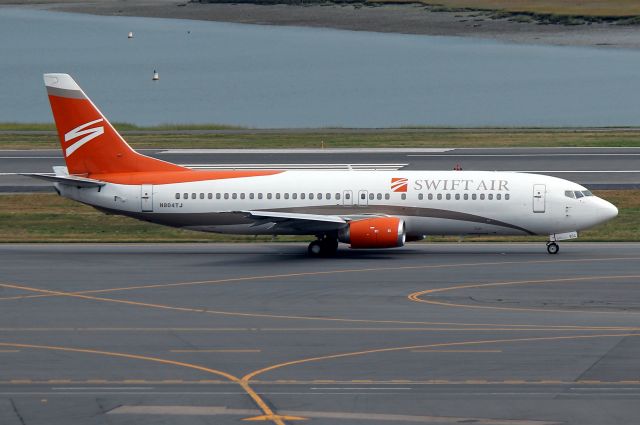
579,194
569,194
587,193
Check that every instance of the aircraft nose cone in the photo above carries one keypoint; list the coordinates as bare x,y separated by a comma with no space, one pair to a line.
609,210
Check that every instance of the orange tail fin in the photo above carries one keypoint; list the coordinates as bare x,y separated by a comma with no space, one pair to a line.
89,142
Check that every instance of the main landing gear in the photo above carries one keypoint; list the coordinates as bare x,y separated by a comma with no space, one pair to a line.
323,247
552,248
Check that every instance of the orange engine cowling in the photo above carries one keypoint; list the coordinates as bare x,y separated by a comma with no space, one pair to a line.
381,232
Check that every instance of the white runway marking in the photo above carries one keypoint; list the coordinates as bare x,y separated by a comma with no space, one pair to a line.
100,388
491,155
358,388
296,151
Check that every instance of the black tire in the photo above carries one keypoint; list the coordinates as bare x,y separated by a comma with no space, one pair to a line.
315,249
553,248
329,247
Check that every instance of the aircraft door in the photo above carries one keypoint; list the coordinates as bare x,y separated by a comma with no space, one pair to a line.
539,202
347,197
363,198
146,197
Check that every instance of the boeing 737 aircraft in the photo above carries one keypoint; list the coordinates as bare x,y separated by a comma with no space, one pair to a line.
365,209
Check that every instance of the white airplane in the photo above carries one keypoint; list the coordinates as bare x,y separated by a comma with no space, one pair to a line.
366,209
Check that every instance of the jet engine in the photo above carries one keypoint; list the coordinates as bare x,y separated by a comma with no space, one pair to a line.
380,232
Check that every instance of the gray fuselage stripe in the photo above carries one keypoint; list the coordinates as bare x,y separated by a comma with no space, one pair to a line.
70,94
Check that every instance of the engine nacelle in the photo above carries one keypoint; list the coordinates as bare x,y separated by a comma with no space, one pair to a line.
380,232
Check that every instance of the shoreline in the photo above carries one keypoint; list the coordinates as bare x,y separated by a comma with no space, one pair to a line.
398,18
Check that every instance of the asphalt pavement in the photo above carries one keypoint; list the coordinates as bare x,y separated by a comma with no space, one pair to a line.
217,333
596,168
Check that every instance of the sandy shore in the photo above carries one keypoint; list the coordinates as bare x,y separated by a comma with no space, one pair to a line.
407,19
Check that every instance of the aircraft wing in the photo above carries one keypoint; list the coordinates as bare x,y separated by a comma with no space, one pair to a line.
66,179
308,223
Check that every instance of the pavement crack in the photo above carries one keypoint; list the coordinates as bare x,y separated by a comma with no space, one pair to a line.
15,410
594,364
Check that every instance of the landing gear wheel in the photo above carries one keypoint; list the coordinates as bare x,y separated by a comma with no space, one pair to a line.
323,247
329,247
315,248
552,248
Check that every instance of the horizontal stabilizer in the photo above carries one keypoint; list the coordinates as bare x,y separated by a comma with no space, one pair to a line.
68,180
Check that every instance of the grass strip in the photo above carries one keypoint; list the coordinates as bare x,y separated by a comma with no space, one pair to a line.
397,138
51,218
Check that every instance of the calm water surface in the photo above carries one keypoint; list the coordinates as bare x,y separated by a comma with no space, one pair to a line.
266,76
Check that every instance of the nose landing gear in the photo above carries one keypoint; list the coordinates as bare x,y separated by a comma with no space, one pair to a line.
552,248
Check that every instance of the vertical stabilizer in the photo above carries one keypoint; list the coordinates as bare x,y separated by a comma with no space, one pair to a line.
89,142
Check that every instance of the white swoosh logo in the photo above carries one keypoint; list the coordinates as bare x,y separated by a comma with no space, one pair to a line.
89,134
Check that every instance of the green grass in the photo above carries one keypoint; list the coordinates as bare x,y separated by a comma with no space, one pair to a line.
329,138
120,126
50,218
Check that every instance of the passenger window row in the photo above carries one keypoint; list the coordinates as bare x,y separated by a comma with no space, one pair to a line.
466,196
337,196
319,196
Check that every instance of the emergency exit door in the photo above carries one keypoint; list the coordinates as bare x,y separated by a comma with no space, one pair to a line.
539,191
146,197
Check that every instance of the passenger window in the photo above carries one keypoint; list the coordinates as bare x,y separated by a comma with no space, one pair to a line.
387,196
251,196
193,196
218,196
498,196
490,196
482,196
363,196
277,196
379,196
430,196
302,195
473,197
466,196
403,196
185,195
259,195
286,196
328,196
506,196
347,196
337,196
202,196
439,196
311,196
242,195
371,196
457,196
234,196
269,196
420,196
210,196
226,196
569,194
448,196
177,196
294,195
319,195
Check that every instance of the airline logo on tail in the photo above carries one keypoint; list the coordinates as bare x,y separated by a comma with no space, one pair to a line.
399,184
82,130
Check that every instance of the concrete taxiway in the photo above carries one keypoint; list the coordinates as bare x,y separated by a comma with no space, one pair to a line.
213,334
596,168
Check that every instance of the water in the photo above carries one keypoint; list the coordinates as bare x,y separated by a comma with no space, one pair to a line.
266,76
